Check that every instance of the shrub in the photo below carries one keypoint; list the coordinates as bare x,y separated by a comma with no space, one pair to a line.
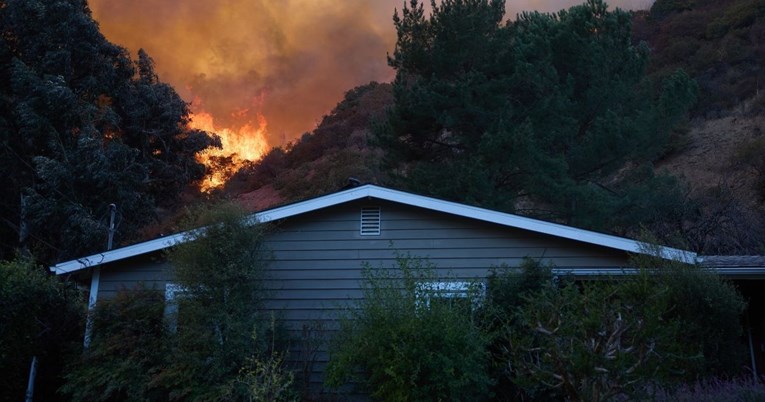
609,338
506,290
265,375
709,309
713,390
594,340
126,352
221,269
39,317
407,341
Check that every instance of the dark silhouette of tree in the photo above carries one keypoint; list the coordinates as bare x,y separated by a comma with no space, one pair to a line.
82,126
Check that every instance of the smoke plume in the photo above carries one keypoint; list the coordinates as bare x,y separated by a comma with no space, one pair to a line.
288,60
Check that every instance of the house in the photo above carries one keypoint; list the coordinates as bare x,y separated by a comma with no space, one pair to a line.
320,245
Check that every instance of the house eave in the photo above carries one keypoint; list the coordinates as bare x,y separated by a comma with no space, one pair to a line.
386,194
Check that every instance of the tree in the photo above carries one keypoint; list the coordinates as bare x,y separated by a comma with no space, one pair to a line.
545,108
39,317
82,126
220,272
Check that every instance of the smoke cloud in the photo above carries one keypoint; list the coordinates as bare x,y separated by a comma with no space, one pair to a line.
289,60
548,6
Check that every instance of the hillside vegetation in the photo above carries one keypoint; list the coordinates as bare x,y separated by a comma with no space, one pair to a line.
697,181
602,119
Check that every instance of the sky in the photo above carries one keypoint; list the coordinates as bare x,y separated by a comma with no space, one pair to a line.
285,62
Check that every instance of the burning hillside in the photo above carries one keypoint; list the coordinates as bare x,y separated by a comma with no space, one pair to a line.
253,64
258,63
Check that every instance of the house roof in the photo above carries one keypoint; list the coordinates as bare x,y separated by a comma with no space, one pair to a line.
735,266
381,193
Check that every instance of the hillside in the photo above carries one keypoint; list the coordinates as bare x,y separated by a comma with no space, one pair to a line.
715,156
323,160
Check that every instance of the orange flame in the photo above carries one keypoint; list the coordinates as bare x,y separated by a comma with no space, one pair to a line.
248,143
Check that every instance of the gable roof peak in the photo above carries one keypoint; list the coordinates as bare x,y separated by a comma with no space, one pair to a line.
397,196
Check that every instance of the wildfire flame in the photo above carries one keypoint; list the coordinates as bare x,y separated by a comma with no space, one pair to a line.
247,143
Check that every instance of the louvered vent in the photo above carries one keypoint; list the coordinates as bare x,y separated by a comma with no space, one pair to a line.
370,221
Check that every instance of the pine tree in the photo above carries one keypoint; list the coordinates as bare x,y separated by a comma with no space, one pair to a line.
545,108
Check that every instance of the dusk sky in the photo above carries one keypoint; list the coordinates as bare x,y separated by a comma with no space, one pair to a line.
289,61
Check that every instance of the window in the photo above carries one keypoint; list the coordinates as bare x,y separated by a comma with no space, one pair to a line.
370,221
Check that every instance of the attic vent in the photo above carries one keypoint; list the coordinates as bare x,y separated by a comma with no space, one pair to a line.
370,221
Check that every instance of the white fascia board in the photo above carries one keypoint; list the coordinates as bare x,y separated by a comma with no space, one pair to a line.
372,191
313,204
727,272
533,225
169,241
117,254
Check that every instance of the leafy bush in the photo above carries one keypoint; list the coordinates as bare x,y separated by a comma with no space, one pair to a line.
709,309
406,341
713,390
126,352
506,292
265,374
217,346
594,341
221,271
39,316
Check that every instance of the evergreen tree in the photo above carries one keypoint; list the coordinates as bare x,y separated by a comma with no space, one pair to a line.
82,126
545,108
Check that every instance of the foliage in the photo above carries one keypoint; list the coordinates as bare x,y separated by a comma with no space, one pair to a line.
322,161
404,341
597,340
82,126
265,375
506,291
606,339
714,390
208,344
39,316
507,288
717,42
127,350
546,108
221,273
709,308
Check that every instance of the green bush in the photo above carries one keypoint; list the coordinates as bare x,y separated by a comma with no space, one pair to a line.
126,351
219,346
266,376
39,317
709,309
506,291
221,269
407,341
594,341
610,338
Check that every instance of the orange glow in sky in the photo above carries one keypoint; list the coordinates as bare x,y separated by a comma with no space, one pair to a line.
263,63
